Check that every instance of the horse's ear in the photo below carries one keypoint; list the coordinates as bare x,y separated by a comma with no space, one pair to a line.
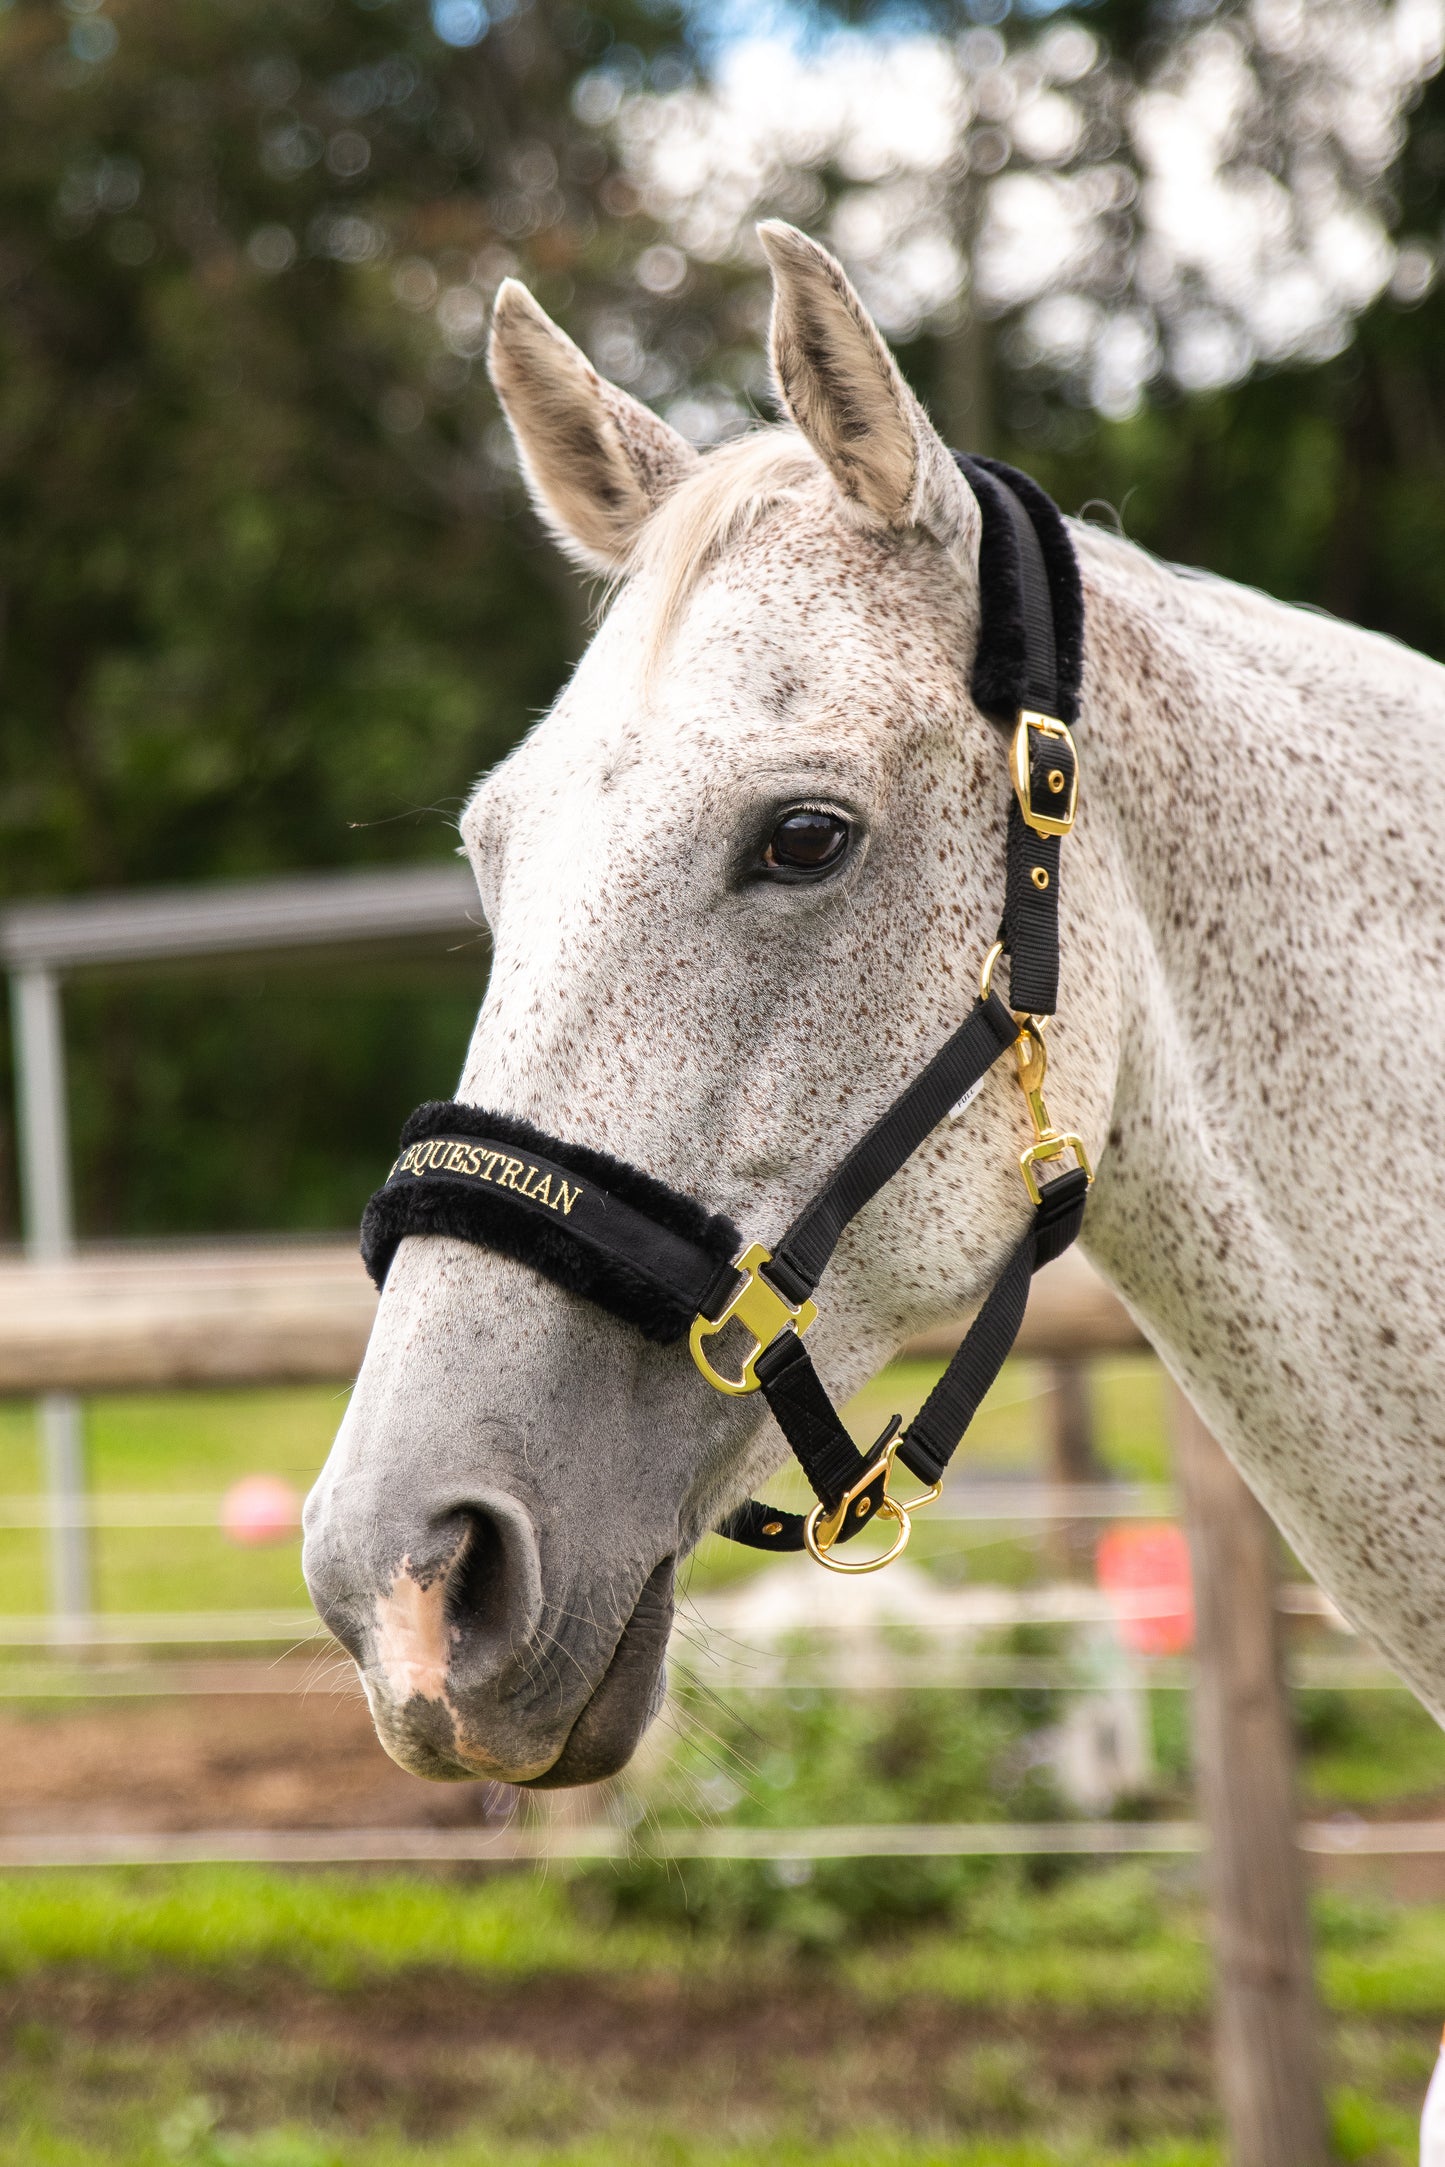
596,461
841,385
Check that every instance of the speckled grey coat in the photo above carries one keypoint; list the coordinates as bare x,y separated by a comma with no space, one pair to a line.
1251,1035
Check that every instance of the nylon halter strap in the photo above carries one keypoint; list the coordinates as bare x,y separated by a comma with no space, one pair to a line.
662,1262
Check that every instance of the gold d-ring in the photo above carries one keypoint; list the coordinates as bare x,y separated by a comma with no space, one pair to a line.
1020,1016
888,1508
822,1529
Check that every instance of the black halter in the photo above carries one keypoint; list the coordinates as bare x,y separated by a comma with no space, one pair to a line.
662,1262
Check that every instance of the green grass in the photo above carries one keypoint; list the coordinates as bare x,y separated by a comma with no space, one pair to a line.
1368,1750
1115,1938
332,1928
226,2086
167,1442
184,2135
187,2131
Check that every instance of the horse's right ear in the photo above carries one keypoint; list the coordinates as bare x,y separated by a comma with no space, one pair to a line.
842,387
596,461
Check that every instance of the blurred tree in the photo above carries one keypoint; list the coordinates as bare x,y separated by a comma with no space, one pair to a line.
256,587
1049,201
1321,483
264,597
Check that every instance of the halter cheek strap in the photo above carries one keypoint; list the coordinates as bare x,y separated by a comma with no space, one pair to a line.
661,1261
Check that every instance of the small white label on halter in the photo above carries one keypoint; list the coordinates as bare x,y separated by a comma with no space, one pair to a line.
968,1098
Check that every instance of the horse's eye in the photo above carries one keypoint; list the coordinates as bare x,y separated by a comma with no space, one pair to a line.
806,841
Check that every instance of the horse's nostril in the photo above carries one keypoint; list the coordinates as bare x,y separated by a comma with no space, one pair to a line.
477,1583
493,1590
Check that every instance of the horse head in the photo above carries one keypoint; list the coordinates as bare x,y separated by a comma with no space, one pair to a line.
739,883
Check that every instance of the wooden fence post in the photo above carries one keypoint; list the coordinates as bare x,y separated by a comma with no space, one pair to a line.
1073,1458
1267,2019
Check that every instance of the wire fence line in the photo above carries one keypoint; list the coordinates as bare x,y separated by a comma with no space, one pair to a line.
955,1611
1020,1504
510,1843
177,1678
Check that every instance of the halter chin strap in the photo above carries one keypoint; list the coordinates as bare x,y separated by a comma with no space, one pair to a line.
661,1261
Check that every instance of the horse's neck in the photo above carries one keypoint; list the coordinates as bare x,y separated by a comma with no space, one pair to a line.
1270,789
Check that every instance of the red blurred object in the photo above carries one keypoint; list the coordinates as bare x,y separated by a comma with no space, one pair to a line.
260,1509
1138,1562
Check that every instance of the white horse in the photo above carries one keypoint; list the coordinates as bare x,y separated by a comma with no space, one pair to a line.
1251,1029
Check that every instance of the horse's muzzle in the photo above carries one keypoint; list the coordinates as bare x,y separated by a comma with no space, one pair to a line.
469,1671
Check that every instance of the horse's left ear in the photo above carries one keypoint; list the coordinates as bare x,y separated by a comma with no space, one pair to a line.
845,391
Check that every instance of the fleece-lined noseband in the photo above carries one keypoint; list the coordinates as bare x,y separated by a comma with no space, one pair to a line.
666,1264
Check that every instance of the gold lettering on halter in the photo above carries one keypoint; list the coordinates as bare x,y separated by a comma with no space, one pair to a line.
436,1154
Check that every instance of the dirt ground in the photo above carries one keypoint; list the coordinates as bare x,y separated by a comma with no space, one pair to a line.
449,2051
302,1759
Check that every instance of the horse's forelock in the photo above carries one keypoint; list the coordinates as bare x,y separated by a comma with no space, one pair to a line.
709,513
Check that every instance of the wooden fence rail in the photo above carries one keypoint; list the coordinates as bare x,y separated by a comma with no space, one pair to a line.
152,1319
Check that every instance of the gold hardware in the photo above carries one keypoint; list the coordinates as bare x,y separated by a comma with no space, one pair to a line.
1040,877
772,1527
761,1310
1019,769
1049,1143
1056,780
821,1531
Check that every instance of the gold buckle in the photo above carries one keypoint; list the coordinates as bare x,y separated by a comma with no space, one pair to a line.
1020,768
761,1310
1049,1143
821,1530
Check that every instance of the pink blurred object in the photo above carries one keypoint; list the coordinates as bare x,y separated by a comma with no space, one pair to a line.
260,1509
1137,1563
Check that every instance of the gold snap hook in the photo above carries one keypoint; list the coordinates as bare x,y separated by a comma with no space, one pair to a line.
1049,1143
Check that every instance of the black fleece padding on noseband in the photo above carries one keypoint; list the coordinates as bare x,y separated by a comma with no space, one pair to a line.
1000,668
625,1241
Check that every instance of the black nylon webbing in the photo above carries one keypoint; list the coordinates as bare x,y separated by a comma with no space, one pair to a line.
814,1429
1030,930
802,1255
933,1435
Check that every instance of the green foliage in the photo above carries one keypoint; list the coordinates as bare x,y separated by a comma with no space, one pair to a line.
264,598
293,1085
805,1757
1362,1749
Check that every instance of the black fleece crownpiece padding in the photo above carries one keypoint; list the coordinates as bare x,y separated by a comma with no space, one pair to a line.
588,1222
1000,669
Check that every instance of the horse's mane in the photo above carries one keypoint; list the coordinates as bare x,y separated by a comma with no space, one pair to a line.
709,513
734,487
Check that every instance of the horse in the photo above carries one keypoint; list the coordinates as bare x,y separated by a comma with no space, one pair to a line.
739,882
